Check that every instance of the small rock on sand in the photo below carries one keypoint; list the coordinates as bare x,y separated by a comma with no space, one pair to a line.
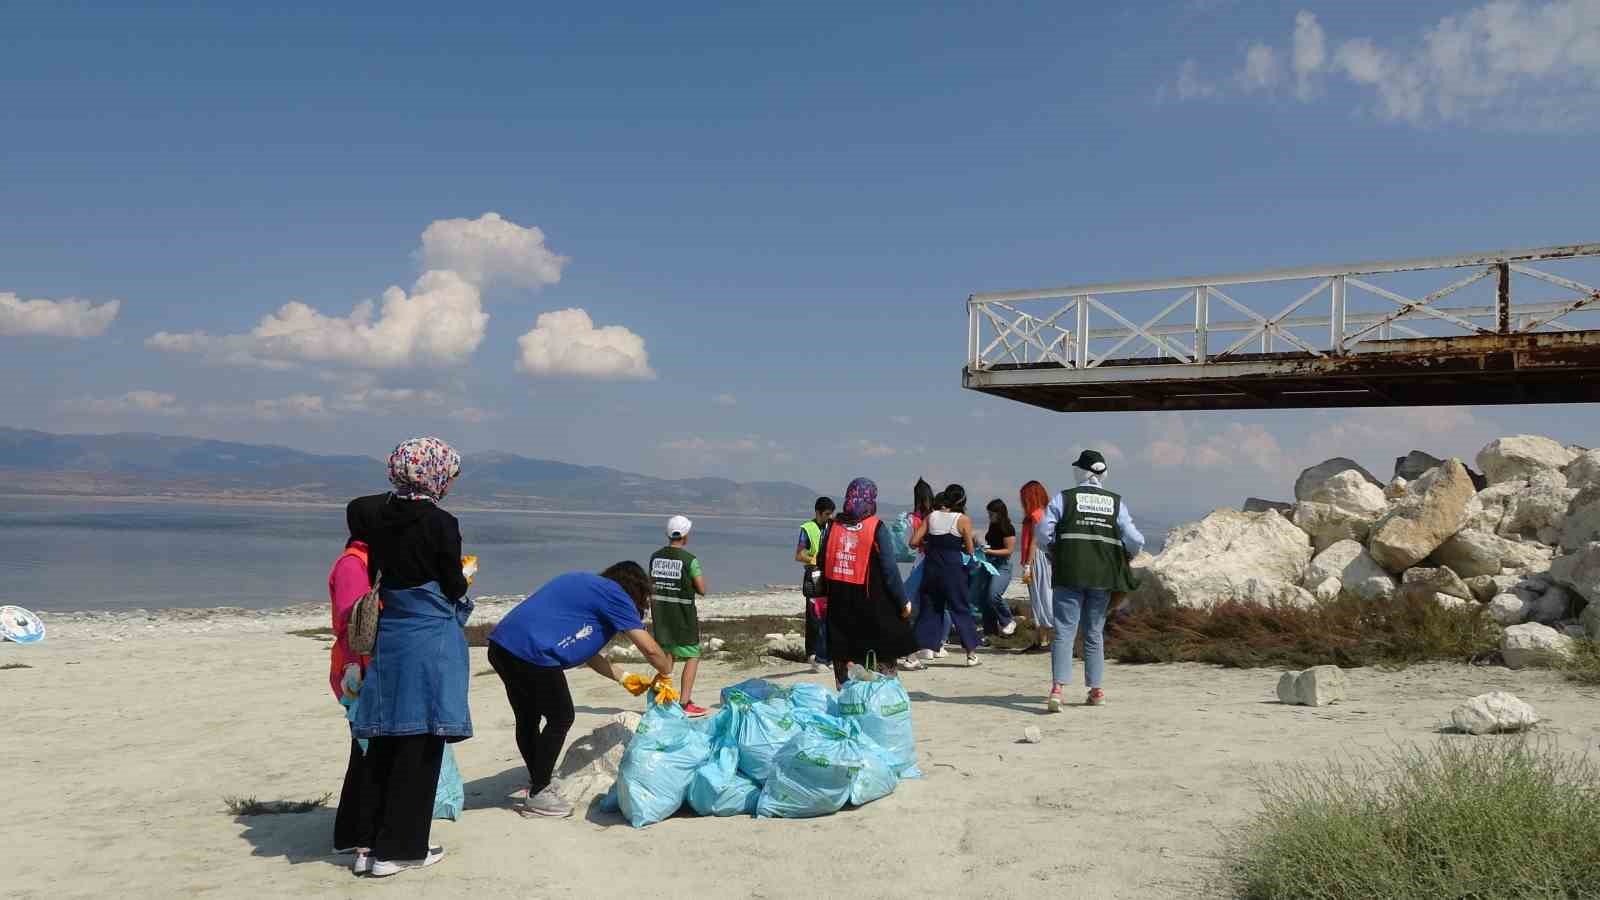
1493,713
1032,735
1317,686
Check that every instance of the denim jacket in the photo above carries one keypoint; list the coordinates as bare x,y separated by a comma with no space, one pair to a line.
417,681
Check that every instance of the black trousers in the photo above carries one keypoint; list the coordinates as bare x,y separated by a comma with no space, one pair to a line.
536,692
392,808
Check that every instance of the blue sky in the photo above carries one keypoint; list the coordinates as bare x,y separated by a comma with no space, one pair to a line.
770,214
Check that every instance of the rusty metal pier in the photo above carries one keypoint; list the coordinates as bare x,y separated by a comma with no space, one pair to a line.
1372,334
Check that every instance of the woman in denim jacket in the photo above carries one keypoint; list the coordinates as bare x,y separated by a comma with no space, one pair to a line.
414,698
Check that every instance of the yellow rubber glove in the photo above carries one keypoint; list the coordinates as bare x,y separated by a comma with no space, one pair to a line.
635,684
665,692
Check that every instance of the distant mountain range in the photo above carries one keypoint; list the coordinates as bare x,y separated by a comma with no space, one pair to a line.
150,465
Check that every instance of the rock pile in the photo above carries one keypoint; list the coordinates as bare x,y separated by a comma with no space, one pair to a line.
1522,540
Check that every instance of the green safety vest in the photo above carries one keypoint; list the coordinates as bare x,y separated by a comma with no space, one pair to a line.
1088,550
676,622
813,536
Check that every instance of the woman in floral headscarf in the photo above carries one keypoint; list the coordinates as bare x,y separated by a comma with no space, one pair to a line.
414,697
868,613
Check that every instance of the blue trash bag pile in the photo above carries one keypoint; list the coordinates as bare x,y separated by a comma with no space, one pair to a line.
770,751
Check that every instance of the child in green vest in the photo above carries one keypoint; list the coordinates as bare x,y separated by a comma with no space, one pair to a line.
678,580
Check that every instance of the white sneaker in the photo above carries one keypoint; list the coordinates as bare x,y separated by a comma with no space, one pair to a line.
547,803
362,864
1009,628
940,653
972,660
383,868
925,654
910,664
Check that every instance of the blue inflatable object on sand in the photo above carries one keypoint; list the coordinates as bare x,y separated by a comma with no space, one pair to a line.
20,626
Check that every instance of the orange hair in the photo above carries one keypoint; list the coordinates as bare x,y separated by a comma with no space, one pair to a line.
1034,498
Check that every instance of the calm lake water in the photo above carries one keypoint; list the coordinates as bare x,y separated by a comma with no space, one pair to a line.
68,554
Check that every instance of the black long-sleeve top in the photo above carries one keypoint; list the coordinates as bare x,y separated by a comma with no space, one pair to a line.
411,542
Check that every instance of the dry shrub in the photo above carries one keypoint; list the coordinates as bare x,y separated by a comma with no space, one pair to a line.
1344,632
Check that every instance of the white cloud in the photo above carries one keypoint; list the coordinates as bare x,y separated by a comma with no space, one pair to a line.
900,420
725,400
294,406
1235,447
491,248
1191,85
1504,63
1310,53
875,450
140,402
440,323
472,415
566,342
1262,70
701,445
69,318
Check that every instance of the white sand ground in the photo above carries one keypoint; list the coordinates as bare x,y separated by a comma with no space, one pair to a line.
118,752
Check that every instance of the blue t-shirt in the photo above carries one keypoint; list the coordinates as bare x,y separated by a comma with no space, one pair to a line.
566,622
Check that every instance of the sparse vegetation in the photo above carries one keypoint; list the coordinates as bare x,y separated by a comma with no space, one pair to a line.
1583,666
1345,632
250,806
1474,818
323,633
15,666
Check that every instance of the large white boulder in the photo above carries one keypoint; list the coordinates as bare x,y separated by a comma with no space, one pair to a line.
1359,575
1433,510
1326,525
1533,644
1539,509
1474,553
1312,478
1316,686
1508,609
1582,521
1522,456
1488,508
1213,560
1580,571
1493,713
1352,492
1584,472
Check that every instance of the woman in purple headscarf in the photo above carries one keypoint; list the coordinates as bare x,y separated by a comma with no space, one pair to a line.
868,613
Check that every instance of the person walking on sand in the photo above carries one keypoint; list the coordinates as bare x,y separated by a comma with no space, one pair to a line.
414,697
948,541
677,578
1036,566
868,612
1092,536
563,625
922,503
999,546
806,553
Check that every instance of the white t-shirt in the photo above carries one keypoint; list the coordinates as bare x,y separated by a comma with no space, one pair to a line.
944,523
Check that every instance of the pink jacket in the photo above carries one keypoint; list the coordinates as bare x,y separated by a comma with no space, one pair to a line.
347,582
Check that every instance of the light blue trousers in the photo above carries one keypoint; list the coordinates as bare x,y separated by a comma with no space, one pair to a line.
1075,606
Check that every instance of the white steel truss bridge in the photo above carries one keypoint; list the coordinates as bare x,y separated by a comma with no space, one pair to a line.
1513,326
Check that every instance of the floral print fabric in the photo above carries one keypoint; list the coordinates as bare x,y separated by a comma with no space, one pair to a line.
422,468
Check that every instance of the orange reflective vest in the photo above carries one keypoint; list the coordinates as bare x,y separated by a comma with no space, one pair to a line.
849,554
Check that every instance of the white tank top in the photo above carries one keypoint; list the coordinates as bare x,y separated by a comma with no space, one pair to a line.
944,523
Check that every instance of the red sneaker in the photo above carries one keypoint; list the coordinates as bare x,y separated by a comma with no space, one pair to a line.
1095,698
693,711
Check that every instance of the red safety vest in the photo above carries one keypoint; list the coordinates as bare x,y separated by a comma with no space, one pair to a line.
849,555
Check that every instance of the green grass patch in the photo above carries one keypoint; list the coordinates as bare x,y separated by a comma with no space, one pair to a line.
1583,665
250,806
1345,632
1464,818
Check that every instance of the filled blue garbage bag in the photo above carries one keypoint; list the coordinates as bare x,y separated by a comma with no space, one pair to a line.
451,794
876,779
814,697
753,690
760,731
719,789
813,773
900,536
881,708
659,765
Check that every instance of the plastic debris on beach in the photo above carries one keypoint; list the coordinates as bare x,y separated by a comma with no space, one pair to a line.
20,626
770,751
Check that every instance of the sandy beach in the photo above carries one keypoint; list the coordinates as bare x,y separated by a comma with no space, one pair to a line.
125,734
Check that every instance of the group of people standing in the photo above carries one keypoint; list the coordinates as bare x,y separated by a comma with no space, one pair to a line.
407,700
1075,551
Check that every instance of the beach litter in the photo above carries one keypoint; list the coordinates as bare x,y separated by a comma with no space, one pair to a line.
770,751
20,626
1032,735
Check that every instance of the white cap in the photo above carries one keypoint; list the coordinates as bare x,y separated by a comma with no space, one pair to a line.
678,527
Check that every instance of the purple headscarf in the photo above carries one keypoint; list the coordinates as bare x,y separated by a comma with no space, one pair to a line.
860,500
422,469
